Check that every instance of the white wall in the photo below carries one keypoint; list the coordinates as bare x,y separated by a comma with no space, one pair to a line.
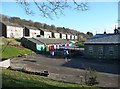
5,63
63,36
47,34
68,36
15,32
34,33
72,37
57,35
76,37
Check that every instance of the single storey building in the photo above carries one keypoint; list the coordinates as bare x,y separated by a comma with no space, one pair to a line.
32,44
43,44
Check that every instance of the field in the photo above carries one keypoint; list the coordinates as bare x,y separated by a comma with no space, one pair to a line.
18,79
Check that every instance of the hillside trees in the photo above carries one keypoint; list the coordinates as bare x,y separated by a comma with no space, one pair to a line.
90,34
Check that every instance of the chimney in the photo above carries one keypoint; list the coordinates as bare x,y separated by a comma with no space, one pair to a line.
104,31
115,30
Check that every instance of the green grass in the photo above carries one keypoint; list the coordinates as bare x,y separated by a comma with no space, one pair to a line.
9,51
18,79
79,44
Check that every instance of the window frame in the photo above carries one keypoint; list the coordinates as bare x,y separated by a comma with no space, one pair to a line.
100,50
111,50
90,50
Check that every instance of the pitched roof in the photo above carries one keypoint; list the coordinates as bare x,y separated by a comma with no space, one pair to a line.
44,30
52,41
104,39
54,31
32,40
11,24
30,27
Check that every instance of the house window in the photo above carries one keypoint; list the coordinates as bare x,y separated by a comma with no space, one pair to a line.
111,50
90,50
100,50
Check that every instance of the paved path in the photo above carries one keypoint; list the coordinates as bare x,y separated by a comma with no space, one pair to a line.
69,71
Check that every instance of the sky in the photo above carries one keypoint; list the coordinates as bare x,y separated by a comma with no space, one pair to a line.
100,17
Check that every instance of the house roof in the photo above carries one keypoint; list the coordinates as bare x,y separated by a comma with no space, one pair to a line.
54,31
44,30
30,27
104,39
48,41
11,24
32,40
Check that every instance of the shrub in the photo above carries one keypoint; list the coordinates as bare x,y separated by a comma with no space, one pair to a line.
91,77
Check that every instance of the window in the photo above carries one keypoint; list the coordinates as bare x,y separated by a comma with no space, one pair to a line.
111,50
90,50
100,50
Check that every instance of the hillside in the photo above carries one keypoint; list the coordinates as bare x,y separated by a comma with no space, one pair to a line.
18,79
23,22
13,49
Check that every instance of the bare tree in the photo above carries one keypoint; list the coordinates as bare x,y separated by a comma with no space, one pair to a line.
51,8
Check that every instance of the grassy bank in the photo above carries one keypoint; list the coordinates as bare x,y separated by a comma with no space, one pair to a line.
18,79
11,47
9,51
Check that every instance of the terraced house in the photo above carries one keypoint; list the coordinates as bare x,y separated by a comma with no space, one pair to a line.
103,46
55,34
72,37
62,35
68,36
11,30
45,33
31,31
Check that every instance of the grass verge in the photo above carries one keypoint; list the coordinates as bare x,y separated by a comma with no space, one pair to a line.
21,80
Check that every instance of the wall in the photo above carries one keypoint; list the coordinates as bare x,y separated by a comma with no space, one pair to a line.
5,63
28,44
72,37
47,34
34,33
76,37
3,30
63,36
68,36
57,35
105,54
14,32
26,32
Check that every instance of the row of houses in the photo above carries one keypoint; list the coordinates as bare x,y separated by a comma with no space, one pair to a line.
11,30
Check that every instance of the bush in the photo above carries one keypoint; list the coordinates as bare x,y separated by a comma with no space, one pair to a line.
91,77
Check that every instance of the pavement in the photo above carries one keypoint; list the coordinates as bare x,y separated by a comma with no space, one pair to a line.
72,70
